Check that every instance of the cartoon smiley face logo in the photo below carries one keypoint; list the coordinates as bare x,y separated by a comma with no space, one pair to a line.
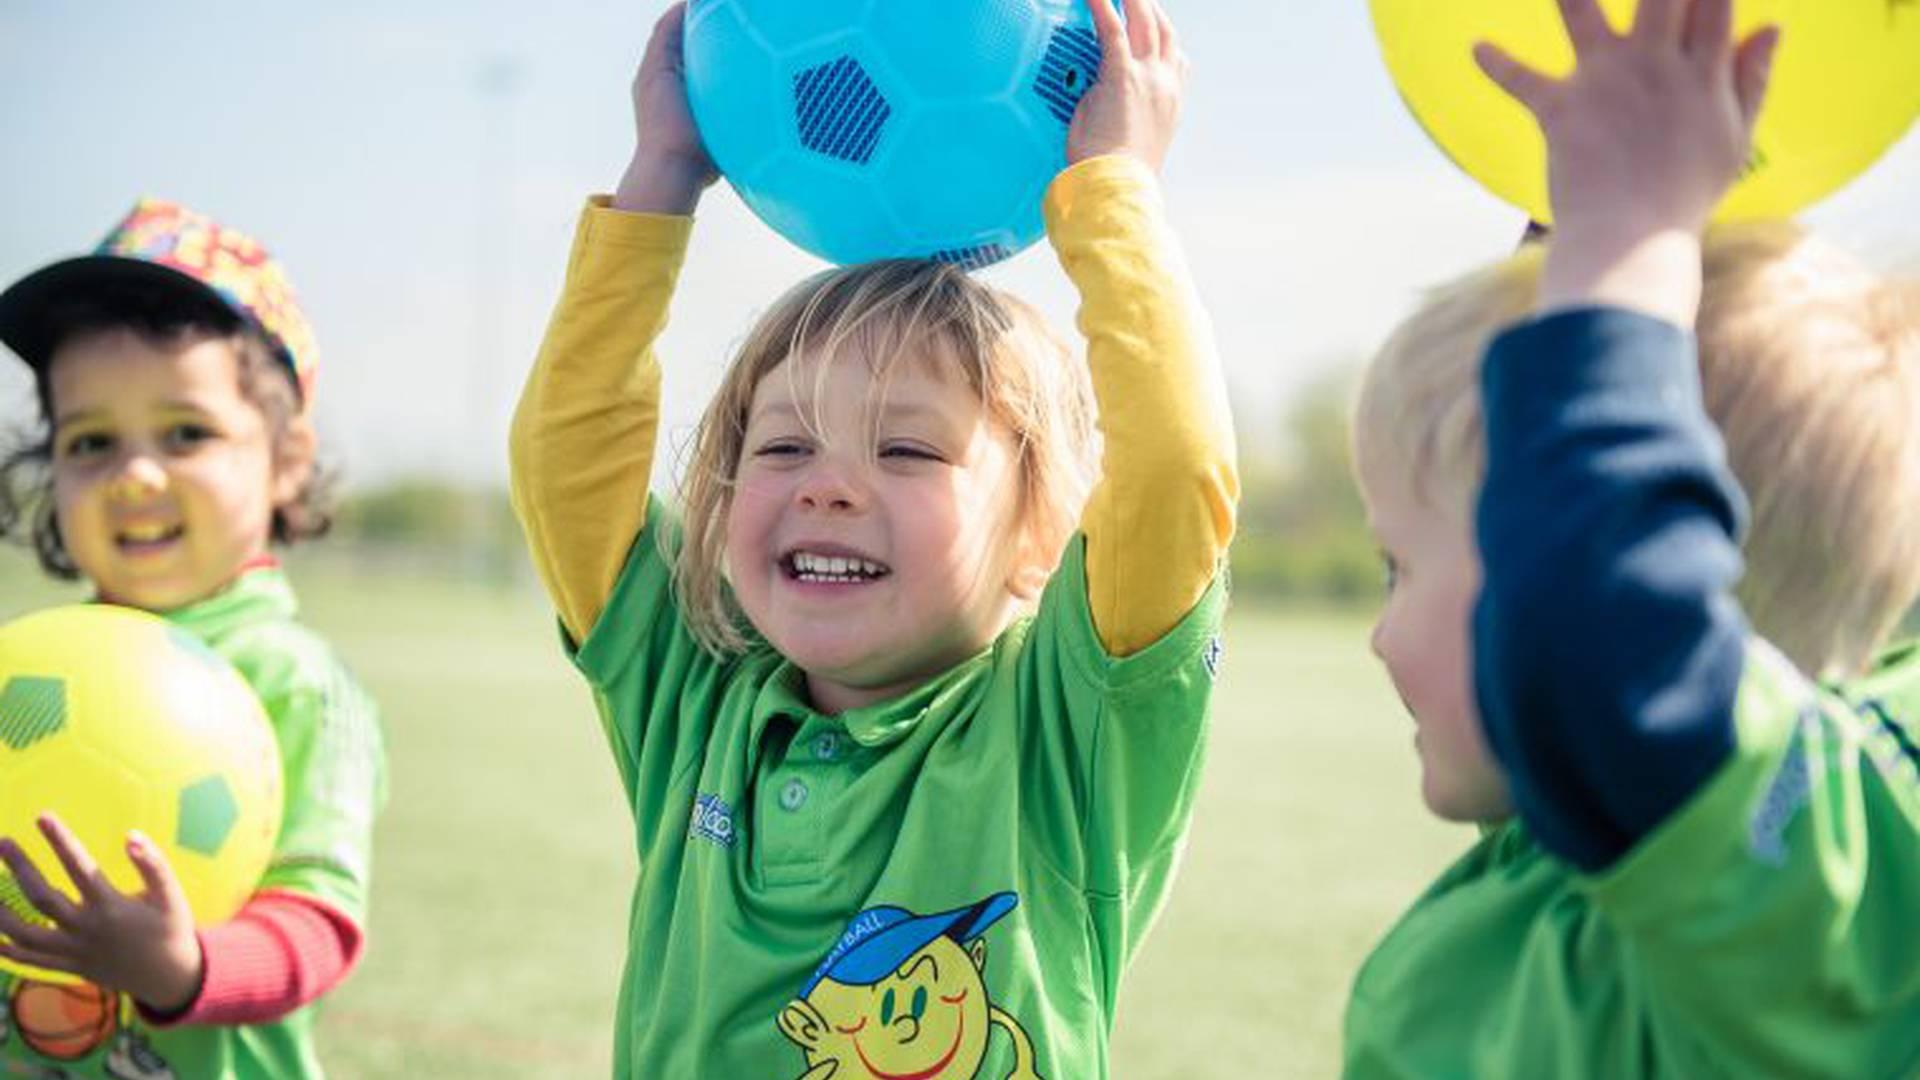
904,997
926,1020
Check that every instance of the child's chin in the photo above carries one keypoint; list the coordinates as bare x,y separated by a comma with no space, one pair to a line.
1444,801
156,594
1451,801
834,658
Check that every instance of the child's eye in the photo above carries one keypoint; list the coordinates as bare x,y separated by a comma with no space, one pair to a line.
1389,570
86,444
781,448
910,451
186,436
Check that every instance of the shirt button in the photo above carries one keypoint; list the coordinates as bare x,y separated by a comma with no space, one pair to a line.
826,746
794,795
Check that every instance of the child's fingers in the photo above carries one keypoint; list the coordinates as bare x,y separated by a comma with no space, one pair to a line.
1709,30
1525,85
1169,40
44,898
163,887
1143,30
74,858
665,41
1661,21
1753,69
36,958
28,935
1109,29
1586,25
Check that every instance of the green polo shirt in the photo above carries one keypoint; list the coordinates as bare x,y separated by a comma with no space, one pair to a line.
1771,927
1023,811
334,774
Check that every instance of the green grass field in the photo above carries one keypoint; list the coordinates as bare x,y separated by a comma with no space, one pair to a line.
504,865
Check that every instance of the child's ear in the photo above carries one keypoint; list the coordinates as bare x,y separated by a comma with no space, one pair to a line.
293,460
1028,571
1028,581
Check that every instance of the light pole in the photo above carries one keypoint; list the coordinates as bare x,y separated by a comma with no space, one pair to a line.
497,81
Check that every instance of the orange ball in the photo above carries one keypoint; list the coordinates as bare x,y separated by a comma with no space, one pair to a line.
63,1022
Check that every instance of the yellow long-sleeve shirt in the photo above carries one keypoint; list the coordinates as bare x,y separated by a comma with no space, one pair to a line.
1156,524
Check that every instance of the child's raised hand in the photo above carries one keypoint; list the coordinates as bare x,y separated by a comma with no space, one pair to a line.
1135,105
1644,138
143,945
670,167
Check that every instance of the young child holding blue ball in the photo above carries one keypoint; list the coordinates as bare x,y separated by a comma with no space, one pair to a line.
908,721
174,372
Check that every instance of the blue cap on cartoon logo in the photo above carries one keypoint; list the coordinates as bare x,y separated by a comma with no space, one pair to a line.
878,940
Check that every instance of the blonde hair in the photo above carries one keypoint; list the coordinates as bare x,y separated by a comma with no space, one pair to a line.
885,314
1809,365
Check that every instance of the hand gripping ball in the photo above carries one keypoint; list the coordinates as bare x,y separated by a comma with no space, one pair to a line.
1845,87
868,129
115,719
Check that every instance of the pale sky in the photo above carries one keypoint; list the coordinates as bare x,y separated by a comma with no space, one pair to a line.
425,220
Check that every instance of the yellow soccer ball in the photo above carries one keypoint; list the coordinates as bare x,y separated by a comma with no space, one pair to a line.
115,720
1845,87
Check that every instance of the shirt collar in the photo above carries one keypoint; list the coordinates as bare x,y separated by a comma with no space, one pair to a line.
878,725
261,593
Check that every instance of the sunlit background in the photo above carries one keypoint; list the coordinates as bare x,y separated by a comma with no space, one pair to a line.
417,167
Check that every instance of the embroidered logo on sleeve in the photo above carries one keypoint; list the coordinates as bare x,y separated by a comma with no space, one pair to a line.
1216,652
712,820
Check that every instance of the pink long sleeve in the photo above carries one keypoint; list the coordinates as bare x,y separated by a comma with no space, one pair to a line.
282,951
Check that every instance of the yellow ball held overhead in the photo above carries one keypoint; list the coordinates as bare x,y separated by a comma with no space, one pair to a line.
1845,87
117,720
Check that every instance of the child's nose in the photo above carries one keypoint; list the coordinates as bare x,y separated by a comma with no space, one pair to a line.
831,486
137,474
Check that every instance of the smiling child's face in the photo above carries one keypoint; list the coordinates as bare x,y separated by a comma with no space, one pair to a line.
872,542
164,474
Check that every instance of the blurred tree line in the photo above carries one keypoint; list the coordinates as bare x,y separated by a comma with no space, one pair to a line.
429,527
1303,530
1303,533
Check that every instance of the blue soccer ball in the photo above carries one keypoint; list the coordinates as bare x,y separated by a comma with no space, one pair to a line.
870,129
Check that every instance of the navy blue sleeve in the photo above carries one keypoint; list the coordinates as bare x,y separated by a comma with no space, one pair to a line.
1608,647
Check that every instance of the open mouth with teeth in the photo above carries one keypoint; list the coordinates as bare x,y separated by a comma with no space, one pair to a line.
142,537
811,568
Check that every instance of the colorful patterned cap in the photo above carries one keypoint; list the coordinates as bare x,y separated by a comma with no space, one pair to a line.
166,244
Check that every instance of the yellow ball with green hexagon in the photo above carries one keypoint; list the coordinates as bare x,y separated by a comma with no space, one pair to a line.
117,720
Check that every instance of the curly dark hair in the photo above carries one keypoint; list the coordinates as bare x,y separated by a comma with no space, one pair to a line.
162,317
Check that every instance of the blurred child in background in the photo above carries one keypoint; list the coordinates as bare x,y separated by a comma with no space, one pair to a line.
174,373
1699,789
